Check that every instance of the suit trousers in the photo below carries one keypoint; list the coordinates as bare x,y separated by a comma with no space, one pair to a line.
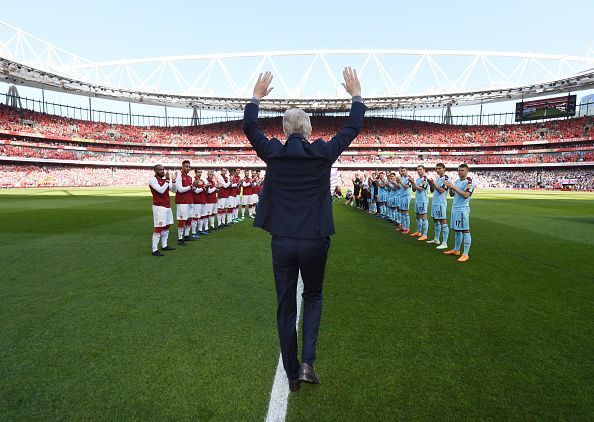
289,257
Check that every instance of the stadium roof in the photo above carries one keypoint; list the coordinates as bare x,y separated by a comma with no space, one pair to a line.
306,79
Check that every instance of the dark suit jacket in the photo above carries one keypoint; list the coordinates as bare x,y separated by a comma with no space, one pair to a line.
295,199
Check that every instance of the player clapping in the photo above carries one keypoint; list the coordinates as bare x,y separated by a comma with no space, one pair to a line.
439,207
461,190
421,187
159,185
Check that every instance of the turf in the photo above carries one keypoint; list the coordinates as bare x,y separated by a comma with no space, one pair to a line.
93,327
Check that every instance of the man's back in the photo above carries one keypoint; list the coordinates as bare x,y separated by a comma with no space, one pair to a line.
296,208
296,200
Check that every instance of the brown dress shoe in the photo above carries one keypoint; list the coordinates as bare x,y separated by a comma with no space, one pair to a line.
308,374
294,386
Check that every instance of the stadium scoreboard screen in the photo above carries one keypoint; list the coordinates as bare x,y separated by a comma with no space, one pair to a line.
548,108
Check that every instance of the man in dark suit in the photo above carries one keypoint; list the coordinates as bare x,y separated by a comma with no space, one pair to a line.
296,208
357,190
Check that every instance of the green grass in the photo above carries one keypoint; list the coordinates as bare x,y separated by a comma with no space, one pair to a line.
93,327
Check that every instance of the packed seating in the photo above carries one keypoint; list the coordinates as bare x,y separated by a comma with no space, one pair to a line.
575,179
377,130
242,157
45,136
49,175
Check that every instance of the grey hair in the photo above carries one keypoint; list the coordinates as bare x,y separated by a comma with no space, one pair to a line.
296,120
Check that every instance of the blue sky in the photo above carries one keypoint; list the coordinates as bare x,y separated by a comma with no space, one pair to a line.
124,29
110,30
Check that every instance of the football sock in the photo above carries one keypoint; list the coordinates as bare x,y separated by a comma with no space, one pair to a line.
437,227
164,237
445,231
156,237
180,229
459,236
425,227
467,242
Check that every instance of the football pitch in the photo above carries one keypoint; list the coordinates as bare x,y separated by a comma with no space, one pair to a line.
94,327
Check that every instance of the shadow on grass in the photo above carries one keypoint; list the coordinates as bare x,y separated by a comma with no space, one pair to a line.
581,220
67,214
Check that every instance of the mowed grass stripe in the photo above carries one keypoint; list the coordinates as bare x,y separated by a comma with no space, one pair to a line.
408,333
96,328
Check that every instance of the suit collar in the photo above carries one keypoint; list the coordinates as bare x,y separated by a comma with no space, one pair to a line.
297,136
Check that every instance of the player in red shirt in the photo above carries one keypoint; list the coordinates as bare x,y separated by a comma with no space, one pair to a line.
224,185
235,189
211,201
246,196
231,199
183,202
199,204
160,184
257,188
254,197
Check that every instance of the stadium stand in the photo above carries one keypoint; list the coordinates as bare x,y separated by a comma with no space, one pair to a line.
40,149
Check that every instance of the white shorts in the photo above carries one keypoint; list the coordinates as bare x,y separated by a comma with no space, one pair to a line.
222,203
245,199
183,211
162,216
195,211
231,202
202,210
210,209
254,198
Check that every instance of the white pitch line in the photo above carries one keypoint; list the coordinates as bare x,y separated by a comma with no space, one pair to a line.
279,395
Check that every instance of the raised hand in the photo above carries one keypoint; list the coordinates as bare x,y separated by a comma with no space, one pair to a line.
262,87
174,176
351,82
166,175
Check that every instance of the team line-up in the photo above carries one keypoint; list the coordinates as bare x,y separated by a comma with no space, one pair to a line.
390,197
198,200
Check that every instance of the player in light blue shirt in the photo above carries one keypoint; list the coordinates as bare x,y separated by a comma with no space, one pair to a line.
372,194
397,198
461,190
391,196
439,206
405,192
421,189
382,195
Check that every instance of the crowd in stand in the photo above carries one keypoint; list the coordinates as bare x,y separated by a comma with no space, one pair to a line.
575,179
376,131
200,141
246,157
28,175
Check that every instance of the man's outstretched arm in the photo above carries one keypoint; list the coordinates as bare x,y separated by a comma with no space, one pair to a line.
250,115
353,126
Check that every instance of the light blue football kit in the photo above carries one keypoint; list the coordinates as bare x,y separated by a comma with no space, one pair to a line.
460,219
